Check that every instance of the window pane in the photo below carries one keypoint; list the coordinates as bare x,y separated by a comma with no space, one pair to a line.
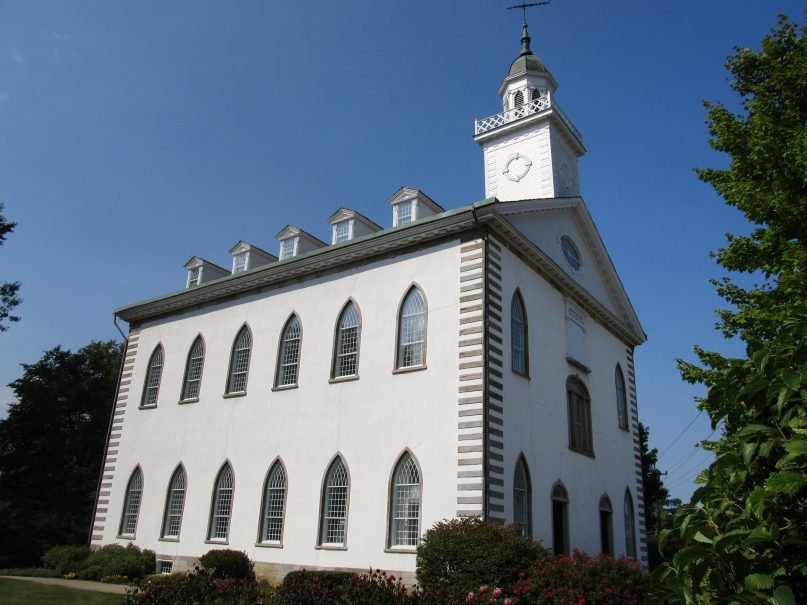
518,336
174,504
240,262
151,387
131,504
342,231
621,399
222,505
630,536
347,343
405,526
193,370
273,504
411,337
287,248
239,362
521,500
405,212
335,505
289,353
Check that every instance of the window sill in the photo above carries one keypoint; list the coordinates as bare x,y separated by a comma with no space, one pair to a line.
220,542
625,428
329,547
125,537
587,453
409,369
578,364
237,394
409,550
191,400
269,544
168,539
343,378
524,375
286,387
147,407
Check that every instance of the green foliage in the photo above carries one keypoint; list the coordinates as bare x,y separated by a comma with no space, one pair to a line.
116,560
21,592
64,559
459,555
313,587
51,448
8,290
377,588
743,534
226,563
30,572
197,587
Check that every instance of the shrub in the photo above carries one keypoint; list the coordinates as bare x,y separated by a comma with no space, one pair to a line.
313,587
460,555
31,572
582,579
64,559
227,563
115,560
377,588
197,587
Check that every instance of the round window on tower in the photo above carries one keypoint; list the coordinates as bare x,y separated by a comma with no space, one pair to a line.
571,253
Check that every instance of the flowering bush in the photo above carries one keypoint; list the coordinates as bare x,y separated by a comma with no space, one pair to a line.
227,563
110,579
313,587
198,587
115,560
582,580
377,588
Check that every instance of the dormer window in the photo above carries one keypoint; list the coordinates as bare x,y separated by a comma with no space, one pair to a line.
194,277
240,262
287,247
405,212
341,232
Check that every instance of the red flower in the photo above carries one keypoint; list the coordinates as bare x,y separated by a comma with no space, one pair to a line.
483,589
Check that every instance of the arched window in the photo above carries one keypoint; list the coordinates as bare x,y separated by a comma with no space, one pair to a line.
174,504
274,504
222,505
579,417
239,362
630,524
346,342
518,336
621,398
131,504
335,495
518,100
560,520
522,499
288,359
606,527
536,94
193,370
412,330
152,385
405,506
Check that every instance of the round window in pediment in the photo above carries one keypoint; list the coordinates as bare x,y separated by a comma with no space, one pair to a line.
571,253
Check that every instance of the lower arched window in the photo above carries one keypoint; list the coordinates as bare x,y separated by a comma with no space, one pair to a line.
606,527
222,505
174,503
405,509
335,499
274,504
522,497
560,520
131,504
579,417
630,527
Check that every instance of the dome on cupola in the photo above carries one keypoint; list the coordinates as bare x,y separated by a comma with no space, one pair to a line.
527,68
526,61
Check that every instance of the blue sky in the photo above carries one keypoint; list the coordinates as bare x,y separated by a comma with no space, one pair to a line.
134,135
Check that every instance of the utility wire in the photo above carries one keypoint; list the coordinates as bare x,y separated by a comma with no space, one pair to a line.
681,434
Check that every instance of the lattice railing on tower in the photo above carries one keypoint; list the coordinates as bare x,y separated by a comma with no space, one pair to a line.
540,104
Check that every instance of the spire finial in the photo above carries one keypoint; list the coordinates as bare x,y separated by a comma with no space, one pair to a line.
525,37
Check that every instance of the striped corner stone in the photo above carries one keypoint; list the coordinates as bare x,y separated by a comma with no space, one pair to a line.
470,401
637,453
111,454
495,416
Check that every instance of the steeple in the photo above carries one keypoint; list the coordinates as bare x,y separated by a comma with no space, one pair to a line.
531,148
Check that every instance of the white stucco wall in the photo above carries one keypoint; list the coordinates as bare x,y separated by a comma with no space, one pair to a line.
369,421
536,417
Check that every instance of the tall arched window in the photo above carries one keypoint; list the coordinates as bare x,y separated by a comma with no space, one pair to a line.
274,504
239,362
152,385
560,520
579,417
222,505
174,504
131,504
518,336
630,525
522,499
335,496
346,342
288,359
193,370
621,398
412,330
606,527
405,504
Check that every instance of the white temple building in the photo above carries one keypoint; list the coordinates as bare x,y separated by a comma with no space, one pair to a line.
322,406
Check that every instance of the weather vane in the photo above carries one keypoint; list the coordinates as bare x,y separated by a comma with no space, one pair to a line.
524,6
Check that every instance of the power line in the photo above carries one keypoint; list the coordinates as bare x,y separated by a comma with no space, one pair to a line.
681,434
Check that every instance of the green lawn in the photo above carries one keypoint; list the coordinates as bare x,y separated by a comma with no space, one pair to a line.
22,592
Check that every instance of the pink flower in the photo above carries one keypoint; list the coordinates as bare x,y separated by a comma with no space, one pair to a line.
470,598
508,601
483,589
497,592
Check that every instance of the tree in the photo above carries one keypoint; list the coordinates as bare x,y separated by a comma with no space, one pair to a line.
51,445
744,533
654,492
8,290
